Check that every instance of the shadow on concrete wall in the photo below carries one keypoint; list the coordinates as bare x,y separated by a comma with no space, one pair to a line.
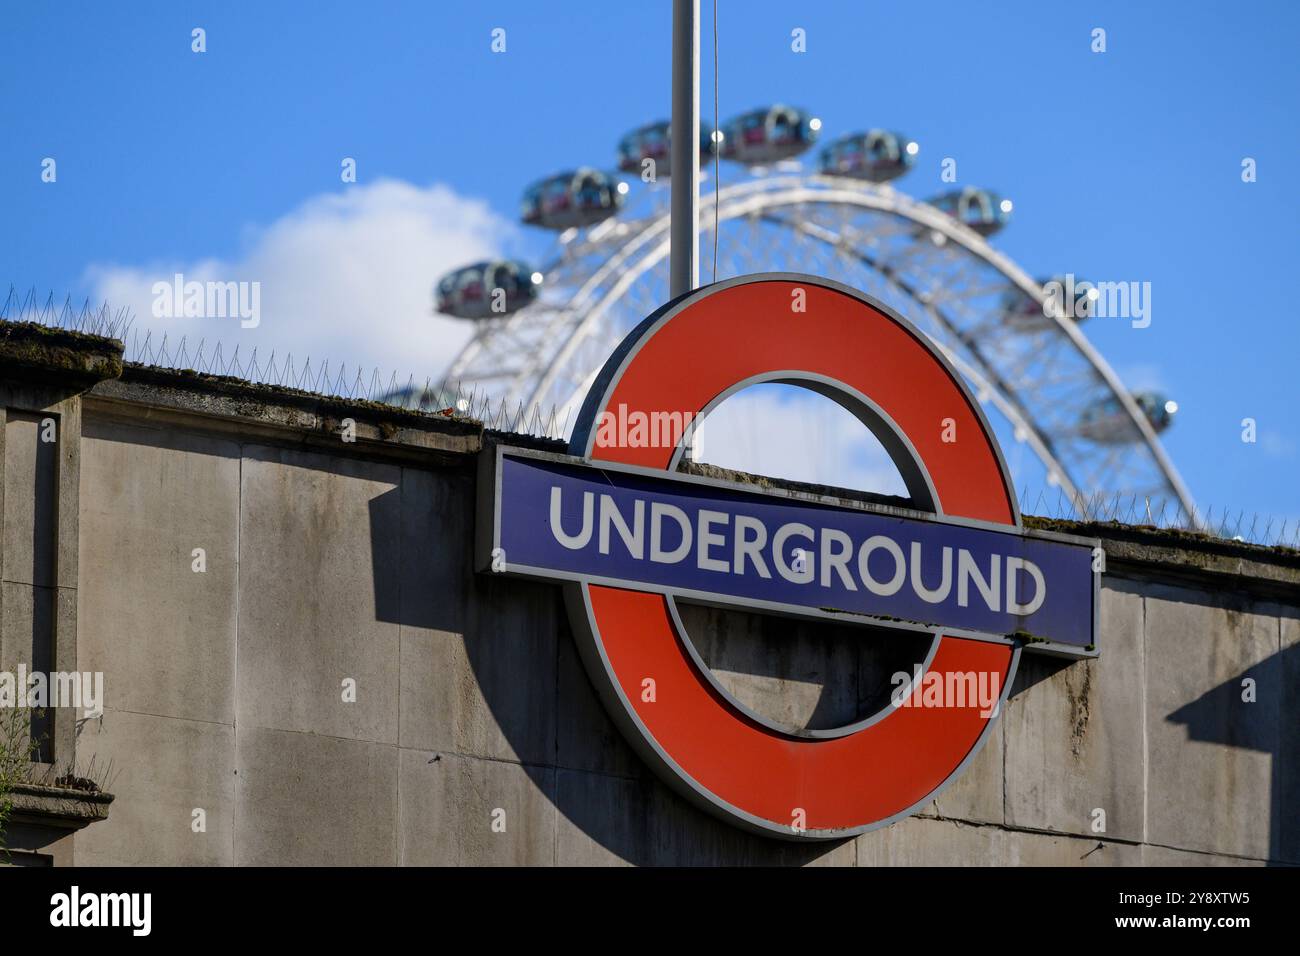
520,649
806,674
31,473
1219,717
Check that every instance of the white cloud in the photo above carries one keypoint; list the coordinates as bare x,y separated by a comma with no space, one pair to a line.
1276,445
785,432
346,276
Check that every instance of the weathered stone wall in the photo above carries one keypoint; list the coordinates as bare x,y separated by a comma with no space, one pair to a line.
327,561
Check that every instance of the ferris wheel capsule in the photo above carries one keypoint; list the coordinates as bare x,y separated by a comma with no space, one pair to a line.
652,142
981,210
1106,423
766,136
487,290
574,199
877,156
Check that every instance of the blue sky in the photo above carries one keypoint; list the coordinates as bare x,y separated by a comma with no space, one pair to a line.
1122,165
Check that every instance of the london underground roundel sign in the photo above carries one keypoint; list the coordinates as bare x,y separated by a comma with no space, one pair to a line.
630,536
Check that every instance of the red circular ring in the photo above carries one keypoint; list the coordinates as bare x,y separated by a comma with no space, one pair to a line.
680,360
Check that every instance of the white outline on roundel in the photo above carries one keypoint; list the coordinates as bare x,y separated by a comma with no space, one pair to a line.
578,596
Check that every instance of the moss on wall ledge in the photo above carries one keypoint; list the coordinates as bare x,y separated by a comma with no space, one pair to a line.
31,350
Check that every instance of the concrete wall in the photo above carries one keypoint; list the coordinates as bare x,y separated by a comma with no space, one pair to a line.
327,561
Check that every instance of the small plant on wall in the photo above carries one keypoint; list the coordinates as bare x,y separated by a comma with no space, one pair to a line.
17,748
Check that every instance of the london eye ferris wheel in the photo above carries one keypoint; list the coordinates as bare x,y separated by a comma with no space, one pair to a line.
542,334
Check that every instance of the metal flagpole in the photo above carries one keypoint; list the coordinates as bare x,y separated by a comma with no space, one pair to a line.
684,210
